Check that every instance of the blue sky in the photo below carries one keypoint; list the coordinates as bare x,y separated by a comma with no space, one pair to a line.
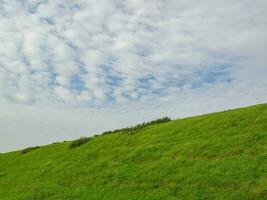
67,66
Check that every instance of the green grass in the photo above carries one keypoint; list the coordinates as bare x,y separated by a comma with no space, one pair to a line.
215,156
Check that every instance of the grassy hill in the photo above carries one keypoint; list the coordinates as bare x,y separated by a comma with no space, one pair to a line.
215,156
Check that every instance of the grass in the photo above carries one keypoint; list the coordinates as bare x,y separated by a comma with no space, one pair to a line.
215,156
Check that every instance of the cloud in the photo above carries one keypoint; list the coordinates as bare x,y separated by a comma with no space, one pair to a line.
155,55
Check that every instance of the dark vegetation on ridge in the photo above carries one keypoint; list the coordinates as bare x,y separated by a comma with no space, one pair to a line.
28,149
79,142
216,156
84,140
139,126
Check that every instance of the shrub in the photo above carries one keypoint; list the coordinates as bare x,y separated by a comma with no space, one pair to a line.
139,126
84,140
79,142
2,174
29,149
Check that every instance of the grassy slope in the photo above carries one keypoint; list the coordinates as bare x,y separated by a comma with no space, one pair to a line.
215,156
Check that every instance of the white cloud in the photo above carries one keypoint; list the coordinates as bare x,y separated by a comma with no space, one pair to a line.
155,55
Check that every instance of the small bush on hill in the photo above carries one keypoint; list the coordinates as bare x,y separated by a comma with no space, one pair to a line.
139,126
84,140
79,142
2,174
29,149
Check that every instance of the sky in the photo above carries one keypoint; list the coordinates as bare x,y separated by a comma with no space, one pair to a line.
77,68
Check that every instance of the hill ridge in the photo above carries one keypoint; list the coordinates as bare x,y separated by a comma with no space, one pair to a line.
220,155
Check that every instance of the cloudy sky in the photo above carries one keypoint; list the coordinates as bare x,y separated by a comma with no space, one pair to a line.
72,68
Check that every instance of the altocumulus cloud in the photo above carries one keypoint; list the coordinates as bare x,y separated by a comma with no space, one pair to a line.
68,66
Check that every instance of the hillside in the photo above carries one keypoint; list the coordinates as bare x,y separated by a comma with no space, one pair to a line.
214,156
